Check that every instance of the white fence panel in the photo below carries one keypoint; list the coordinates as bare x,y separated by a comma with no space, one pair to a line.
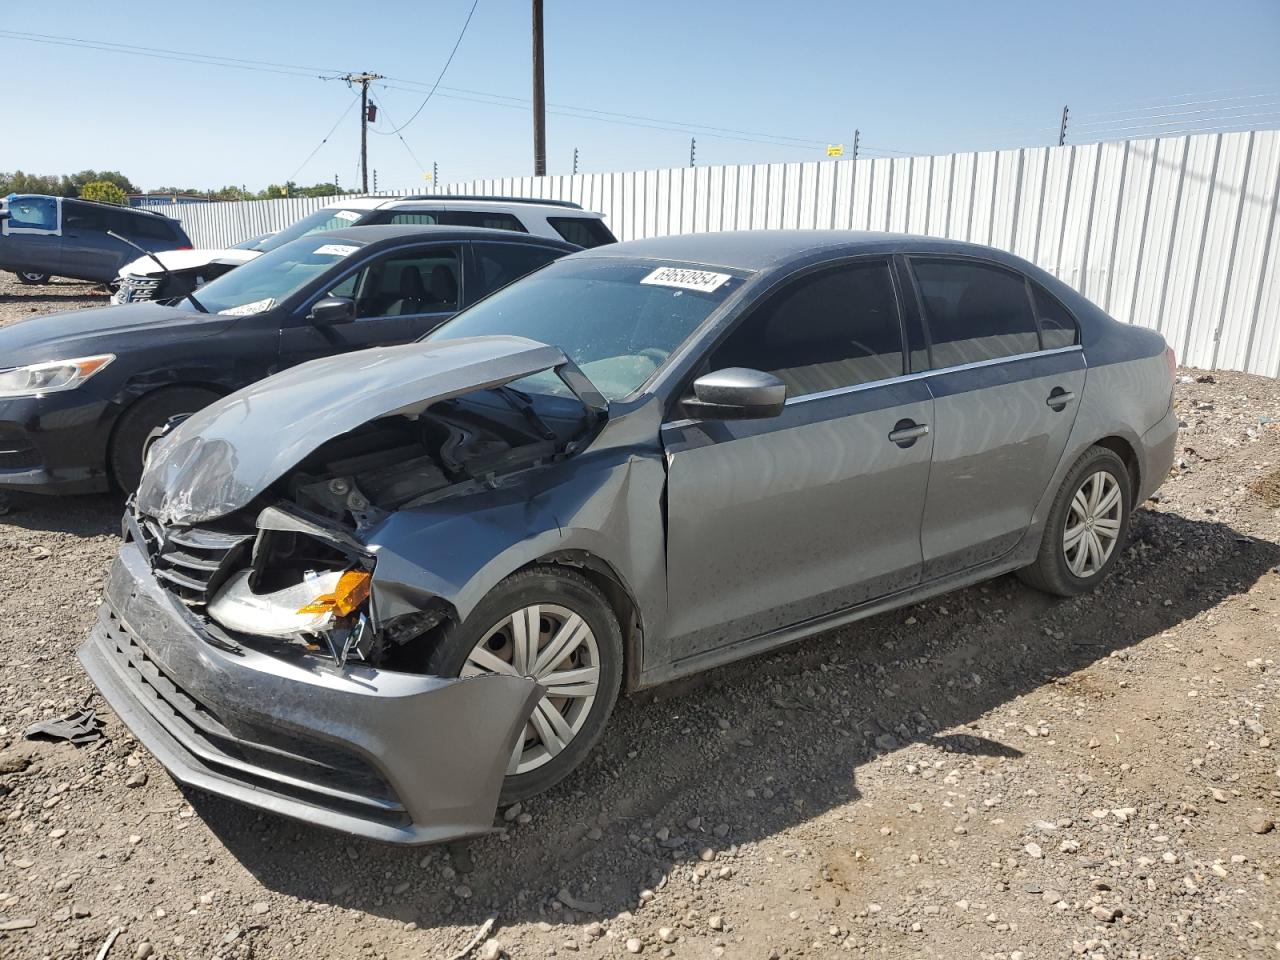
1178,234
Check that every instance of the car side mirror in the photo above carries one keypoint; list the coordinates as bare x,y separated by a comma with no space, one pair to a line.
4,214
736,393
332,310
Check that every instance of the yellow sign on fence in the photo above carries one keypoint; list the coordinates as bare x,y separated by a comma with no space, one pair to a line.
835,149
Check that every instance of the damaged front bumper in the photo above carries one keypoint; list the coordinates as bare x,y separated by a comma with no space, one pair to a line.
390,756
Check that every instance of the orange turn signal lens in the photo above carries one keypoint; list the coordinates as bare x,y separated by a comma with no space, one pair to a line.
347,597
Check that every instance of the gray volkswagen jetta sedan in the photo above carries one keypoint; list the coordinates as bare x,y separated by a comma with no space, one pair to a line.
381,591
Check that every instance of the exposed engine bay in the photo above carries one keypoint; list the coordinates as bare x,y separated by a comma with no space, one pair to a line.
293,565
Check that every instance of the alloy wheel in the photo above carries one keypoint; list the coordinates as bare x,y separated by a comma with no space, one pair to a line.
1093,524
556,647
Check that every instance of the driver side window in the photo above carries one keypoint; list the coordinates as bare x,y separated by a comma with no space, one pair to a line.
33,214
405,283
837,327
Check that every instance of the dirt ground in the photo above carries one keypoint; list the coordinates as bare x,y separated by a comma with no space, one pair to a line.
993,774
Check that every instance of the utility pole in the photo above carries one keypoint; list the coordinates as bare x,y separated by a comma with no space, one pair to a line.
1062,130
693,149
857,134
364,79
575,159
539,97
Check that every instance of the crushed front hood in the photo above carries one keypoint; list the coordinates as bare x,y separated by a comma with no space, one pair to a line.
219,459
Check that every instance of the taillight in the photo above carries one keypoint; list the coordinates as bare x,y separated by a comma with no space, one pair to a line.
187,247
1172,361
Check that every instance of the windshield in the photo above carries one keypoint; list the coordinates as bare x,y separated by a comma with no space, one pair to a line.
262,283
617,319
253,243
330,218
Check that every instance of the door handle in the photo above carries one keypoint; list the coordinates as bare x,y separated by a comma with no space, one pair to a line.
907,432
1059,398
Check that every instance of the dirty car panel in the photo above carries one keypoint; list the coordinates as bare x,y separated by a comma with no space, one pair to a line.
388,755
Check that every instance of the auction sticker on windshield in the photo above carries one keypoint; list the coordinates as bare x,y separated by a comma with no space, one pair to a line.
349,215
702,280
336,250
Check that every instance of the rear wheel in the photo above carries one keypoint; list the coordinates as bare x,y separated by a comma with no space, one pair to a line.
143,423
31,276
553,625
1086,527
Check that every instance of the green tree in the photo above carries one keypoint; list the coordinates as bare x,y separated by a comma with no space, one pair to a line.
104,191
76,182
19,182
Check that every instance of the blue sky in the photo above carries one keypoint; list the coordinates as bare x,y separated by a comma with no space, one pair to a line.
922,76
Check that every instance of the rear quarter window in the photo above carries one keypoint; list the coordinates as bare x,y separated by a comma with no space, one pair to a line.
1057,327
586,232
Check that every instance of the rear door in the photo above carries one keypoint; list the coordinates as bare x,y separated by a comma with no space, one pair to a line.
775,521
1005,397
399,295
32,235
89,252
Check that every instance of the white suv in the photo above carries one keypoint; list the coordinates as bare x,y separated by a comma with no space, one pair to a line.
174,273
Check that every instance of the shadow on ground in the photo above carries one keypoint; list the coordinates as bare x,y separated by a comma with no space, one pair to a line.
762,745
87,516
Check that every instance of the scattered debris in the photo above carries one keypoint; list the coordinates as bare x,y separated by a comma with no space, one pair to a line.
475,941
78,727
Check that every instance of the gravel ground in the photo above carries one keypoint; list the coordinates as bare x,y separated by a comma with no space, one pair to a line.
993,774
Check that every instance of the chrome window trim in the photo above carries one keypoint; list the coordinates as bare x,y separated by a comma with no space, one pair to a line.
907,378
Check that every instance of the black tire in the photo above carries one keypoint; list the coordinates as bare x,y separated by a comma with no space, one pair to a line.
1050,572
142,422
32,277
543,585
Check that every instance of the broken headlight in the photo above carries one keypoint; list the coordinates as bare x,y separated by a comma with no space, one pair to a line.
305,609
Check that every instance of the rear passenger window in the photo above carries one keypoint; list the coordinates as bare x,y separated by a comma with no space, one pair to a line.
474,218
1057,327
974,312
834,328
413,219
84,218
584,231
501,263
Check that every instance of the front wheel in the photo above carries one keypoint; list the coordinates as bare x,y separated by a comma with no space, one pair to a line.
1086,527
143,423
553,625
32,277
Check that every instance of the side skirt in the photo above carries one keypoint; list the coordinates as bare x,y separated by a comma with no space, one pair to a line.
766,642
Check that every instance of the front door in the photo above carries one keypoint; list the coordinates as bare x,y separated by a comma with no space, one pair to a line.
32,235
774,522
399,296
1005,390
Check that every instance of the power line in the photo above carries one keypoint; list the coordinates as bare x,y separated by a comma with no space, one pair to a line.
382,107
457,43
332,73
106,46
354,101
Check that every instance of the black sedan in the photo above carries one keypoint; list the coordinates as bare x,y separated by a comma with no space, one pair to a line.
83,394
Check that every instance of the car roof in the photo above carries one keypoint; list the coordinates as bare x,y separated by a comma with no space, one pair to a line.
761,250
140,211
379,233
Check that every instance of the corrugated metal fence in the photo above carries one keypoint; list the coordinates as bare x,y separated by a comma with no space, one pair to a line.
1179,233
